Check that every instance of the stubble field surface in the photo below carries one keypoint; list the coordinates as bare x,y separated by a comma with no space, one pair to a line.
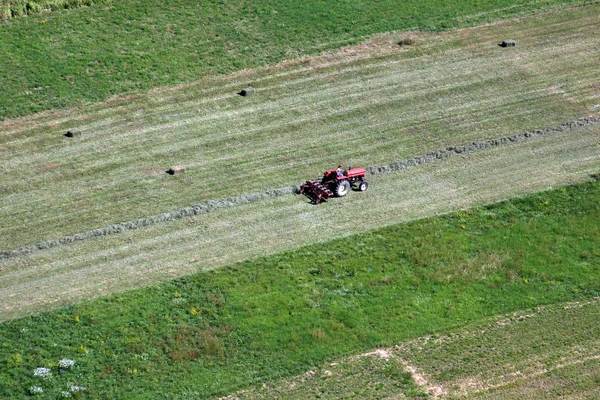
530,354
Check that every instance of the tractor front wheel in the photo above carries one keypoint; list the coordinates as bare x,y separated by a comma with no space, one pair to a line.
342,188
363,185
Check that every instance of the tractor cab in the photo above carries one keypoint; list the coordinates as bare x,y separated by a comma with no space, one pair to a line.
332,175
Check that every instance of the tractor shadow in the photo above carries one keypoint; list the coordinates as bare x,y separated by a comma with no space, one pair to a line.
311,198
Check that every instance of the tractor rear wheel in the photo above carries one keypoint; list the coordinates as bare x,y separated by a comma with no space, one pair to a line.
342,188
363,185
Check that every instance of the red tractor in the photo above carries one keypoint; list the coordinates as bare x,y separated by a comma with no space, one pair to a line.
335,183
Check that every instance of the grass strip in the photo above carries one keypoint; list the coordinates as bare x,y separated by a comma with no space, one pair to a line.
528,354
211,205
215,332
84,55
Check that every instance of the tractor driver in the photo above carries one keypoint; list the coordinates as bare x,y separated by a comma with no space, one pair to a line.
339,170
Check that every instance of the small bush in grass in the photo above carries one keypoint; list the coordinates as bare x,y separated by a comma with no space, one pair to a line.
5,12
215,299
319,335
65,363
57,4
73,388
211,345
189,342
184,355
18,9
14,361
34,8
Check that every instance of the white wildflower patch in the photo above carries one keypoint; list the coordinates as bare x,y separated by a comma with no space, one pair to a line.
35,390
66,393
42,372
74,388
65,363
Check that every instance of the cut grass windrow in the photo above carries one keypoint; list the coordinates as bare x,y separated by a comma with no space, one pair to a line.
212,205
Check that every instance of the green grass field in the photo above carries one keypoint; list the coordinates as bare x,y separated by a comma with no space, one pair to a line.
256,321
530,354
84,55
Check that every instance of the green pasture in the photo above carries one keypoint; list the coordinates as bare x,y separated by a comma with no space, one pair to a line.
260,320
83,55
527,354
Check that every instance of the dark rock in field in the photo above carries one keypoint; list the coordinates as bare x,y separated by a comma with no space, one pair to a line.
71,134
246,92
508,43
177,169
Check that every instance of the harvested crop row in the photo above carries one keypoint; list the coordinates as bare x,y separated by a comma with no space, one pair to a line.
480,145
200,208
211,205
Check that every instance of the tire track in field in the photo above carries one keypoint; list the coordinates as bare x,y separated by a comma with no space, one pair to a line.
211,205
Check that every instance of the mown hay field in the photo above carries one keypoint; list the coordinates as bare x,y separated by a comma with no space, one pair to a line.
368,105
84,55
96,267
371,104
